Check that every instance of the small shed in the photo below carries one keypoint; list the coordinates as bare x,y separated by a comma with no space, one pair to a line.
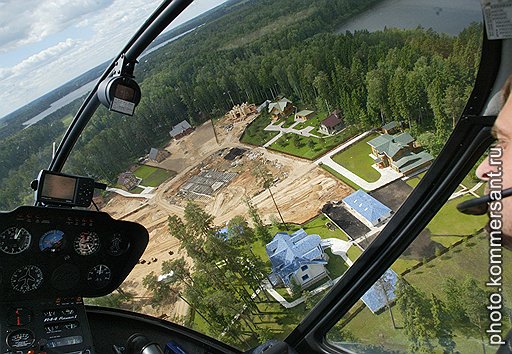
304,115
390,128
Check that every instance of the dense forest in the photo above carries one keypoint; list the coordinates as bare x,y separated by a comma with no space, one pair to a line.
255,52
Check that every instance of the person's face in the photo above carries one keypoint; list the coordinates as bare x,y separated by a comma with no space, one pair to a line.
502,131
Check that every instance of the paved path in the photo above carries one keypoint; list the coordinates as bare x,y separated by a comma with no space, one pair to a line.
146,192
465,191
387,174
279,128
338,247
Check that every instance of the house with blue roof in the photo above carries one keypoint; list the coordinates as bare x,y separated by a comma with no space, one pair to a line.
366,208
297,256
382,293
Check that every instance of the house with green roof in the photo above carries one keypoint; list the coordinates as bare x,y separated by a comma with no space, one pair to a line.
390,128
399,152
281,108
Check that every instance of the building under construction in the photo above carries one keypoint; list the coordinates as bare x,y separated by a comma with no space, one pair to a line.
206,183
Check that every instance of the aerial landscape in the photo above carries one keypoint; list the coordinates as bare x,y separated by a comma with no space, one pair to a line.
264,171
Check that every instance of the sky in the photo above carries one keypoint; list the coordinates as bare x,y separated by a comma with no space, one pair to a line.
45,43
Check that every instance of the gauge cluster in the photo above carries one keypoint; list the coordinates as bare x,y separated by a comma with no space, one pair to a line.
55,326
52,252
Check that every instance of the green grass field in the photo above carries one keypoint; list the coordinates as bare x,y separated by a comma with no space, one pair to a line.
341,178
449,225
300,146
152,176
136,190
67,120
336,265
356,159
254,133
317,226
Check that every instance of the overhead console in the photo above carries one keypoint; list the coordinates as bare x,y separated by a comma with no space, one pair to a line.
49,259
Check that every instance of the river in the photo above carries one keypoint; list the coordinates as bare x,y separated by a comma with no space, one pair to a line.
449,17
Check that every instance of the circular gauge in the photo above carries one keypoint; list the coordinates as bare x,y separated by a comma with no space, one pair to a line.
20,339
117,245
99,276
14,240
86,243
27,278
52,241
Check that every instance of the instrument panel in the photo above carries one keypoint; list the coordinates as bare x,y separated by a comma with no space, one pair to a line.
53,252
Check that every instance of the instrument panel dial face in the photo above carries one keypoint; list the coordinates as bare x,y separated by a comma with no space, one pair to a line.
86,243
14,240
99,276
27,278
117,245
21,339
52,241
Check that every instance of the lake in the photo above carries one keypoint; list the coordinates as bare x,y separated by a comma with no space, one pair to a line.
82,91
444,16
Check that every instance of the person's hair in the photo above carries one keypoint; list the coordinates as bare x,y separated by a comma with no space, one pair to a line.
506,89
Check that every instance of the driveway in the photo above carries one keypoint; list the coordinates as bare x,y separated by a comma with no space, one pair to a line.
387,174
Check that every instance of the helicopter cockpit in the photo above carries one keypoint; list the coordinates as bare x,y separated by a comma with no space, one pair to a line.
358,248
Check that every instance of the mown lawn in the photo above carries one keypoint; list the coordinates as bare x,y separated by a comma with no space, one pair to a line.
414,181
254,133
353,253
341,178
152,176
449,225
336,265
67,120
317,226
136,190
356,159
310,147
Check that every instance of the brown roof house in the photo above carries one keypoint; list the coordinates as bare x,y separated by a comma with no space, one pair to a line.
127,180
332,124
399,152
304,115
181,129
158,155
280,109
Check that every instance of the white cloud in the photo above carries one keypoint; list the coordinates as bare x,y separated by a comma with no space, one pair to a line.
111,28
30,21
37,60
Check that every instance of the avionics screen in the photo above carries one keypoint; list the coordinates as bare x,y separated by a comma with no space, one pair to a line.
124,92
58,187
